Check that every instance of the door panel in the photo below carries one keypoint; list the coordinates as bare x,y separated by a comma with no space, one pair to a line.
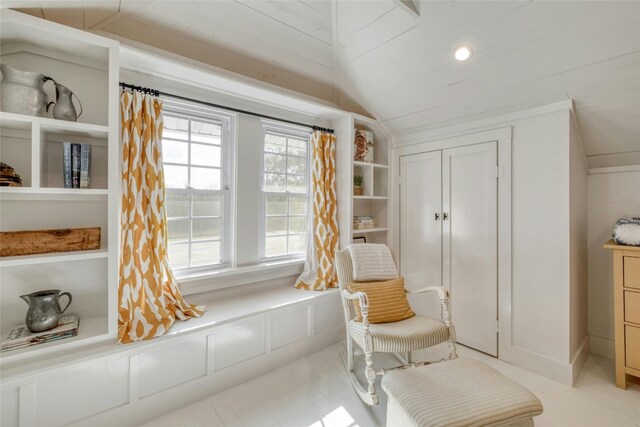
420,230
470,269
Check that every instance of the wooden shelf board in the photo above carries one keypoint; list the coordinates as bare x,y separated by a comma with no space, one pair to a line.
73,194
374,165
53,257
370,230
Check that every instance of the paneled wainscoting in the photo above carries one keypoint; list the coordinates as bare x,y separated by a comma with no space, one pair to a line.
314,391
240,338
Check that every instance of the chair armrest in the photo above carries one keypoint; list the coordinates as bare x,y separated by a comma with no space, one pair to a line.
442,292
364,304
360,296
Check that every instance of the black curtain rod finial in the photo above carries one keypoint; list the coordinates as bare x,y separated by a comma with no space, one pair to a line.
142,89
321,129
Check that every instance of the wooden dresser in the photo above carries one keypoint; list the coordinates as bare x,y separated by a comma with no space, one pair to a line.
626,284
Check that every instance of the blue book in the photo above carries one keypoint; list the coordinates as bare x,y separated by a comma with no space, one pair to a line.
85,164
75,165
66,156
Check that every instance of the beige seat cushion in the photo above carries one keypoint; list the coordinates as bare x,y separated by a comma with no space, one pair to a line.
459,392
406,335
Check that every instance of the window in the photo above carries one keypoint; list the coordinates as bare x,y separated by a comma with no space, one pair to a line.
285,191
196,159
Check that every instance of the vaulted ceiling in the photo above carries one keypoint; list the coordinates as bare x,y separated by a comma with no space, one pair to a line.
375,57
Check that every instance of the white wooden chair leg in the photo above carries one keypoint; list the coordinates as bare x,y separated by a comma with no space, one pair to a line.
370,373
409,357
349,354
446,318
453,354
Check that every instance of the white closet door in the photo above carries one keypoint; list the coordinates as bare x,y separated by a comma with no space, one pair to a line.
421,228
470,243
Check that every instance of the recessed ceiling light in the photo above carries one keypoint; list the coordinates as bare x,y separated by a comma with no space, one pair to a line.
463,53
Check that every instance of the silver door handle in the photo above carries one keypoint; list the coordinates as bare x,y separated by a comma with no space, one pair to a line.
437,216
445,216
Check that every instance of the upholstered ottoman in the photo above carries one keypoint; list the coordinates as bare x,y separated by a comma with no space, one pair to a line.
459,392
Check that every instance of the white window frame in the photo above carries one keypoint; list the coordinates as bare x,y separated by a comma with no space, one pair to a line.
286,130
203,113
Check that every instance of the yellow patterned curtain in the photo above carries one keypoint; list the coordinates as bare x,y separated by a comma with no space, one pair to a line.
149,300
319,273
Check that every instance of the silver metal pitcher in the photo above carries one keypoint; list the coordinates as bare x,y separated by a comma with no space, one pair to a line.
64,108
44,311
22,92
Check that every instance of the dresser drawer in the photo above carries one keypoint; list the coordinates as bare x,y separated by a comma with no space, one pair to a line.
632,307
632,346
632,272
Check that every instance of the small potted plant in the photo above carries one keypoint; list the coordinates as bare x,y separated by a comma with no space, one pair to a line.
357,185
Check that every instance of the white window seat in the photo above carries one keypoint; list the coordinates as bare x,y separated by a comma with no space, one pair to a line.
222,307
211,280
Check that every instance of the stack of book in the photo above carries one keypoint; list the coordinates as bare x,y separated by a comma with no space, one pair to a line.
77,162
363,222
21,337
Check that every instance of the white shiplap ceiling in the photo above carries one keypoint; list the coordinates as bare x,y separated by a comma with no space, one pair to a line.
374,57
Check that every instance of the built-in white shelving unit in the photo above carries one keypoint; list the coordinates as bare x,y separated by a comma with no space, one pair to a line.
87,64
376,177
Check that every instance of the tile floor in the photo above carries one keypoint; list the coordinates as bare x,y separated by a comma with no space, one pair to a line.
315,391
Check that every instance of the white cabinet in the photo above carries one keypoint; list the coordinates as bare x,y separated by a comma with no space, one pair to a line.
289,327
173,363
448,236
73,393
239,342
9,406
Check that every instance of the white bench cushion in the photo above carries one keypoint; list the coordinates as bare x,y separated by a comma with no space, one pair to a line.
459,392
410,334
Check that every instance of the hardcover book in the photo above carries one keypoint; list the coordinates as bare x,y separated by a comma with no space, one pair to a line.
66,157
75,165
85,164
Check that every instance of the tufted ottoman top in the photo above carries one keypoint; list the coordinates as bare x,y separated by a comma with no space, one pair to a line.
459,392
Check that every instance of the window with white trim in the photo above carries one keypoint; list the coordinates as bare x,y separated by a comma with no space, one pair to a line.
285,191
196,157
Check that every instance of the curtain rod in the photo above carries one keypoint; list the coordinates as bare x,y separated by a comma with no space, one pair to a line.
156,92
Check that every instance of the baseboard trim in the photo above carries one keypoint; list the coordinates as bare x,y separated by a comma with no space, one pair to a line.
566,373
579,358
604,347
541,365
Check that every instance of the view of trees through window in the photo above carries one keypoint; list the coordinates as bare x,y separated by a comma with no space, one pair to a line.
285,194
192,156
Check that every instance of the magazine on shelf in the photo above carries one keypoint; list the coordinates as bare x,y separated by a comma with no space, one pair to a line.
21,337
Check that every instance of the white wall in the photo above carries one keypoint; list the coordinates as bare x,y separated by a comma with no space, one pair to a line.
540,223
578,306
612,196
